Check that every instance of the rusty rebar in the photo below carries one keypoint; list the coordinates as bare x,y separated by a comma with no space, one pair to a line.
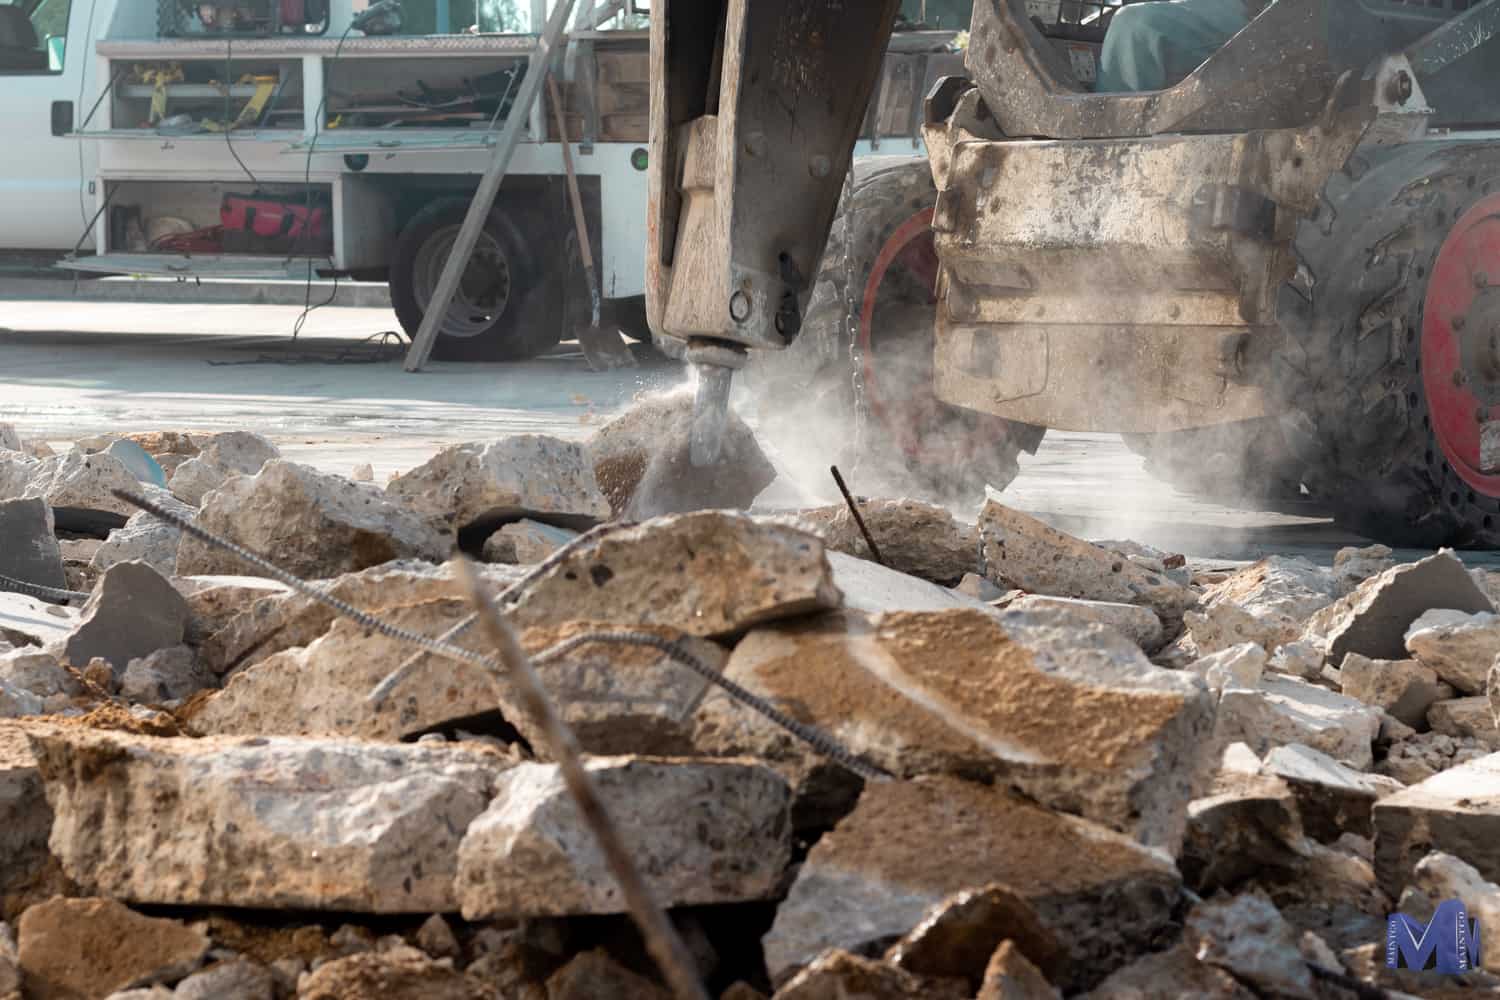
854,509
661,938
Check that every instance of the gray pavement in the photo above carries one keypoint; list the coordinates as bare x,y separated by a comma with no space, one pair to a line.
69,370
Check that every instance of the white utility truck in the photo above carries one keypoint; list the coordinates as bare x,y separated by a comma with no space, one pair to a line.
280,138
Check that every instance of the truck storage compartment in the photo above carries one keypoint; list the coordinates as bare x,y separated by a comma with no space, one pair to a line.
205,96
283,220
472,92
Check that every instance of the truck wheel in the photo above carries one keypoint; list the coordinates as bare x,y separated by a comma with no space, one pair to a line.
508,303
1244,463
1392,343
855,387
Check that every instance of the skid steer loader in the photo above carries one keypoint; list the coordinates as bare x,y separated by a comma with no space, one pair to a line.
1281,273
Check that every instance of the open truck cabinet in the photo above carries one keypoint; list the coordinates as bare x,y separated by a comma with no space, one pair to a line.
385,136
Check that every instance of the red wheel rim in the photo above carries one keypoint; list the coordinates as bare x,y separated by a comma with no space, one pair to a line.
1463,301
906,411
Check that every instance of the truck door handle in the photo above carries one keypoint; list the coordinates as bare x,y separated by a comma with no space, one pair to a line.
62,117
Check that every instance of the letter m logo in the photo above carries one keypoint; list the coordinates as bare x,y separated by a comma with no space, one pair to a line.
1450,938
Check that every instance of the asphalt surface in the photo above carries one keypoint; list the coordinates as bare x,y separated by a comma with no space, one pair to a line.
335,398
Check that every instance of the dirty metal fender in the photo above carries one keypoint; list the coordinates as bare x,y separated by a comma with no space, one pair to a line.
755,106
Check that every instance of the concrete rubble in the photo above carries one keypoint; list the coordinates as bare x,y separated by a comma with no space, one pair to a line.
1085,768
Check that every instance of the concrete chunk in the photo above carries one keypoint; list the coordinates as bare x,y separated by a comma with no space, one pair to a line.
1140,625
265,822
526,542
1465,717
1332,799
233,453
1373,618
1459,647
1249,937
876,874
1457,812
78,479
1265,603
700,832
641,461
308,523
1021,552
1442,876
1404,688
917,538
871,588
28,548
965,692
524,473
1234,666
133,612
709,573
79,949
1286,710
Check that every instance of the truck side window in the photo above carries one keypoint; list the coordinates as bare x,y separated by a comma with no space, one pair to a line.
33,35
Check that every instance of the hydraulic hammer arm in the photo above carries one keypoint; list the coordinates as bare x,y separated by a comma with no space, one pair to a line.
755,108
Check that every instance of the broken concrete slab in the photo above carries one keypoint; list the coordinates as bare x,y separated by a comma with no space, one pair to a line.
15,474
78,479
622,699
526,542
1457,812
42,674
709,573
1287,710
28,621
1465,717
392,975
957,937
308,523
1332,799
233,453
1021,552
133,612
237,979
28,548
1443,876
262,822
1247,936
1247,827
1138,624
1233,666
1372,619
1174,974
282,620
1010,975
700,832
1459,647
1352,566
1298,659
1265,603
873,589
876,874
836,974
593,975
122,949
1414,757
323,689
1404,688
170,674
502,480
25,817
10,438
641,461
144,538
214,600
963,691
916,538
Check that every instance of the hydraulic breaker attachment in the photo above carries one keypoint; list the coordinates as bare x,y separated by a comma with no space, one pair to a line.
755,105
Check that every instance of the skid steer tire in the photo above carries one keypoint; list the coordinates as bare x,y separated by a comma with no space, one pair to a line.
1390,363
1244,463
509,301
855,388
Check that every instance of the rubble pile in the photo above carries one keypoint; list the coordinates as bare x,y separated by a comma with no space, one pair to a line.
1041,766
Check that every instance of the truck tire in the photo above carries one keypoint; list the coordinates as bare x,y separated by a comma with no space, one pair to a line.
855,388
1391,354
508,306
1244,463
